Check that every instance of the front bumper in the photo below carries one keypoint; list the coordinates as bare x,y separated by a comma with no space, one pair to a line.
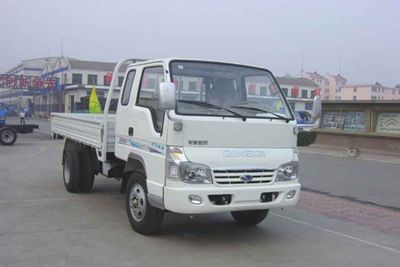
176,199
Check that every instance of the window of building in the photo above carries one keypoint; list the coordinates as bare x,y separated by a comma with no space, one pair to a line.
76,78
285,91
148,94
126,94
120,81
308,105
304,93
263,91
354,97
105,80
192,86
373,97
355,89
92,79
312,94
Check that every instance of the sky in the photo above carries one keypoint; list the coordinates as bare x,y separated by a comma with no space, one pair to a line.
361,39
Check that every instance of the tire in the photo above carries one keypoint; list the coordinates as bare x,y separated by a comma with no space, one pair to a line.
86,171
71,166
249,217
144,219
8,136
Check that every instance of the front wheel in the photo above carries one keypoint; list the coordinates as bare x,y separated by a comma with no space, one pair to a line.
144,219
249,217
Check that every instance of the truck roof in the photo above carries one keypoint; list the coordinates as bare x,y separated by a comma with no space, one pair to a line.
167,60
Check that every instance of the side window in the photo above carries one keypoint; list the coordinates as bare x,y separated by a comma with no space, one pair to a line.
148,94
128,88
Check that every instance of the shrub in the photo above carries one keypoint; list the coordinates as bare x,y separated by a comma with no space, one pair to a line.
306,138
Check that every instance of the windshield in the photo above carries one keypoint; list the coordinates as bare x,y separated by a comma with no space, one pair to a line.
218,89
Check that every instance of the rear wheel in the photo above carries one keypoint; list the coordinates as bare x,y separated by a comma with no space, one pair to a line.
86,171
8,136
144,219
249,217
71,166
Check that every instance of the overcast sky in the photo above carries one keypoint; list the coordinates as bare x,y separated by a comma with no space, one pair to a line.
363,35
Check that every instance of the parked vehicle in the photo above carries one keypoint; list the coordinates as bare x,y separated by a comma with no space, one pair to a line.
188,136
304,120
8,132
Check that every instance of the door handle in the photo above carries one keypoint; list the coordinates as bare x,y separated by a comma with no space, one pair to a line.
130,131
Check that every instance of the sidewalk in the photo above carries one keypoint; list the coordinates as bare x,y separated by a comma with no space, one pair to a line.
340,152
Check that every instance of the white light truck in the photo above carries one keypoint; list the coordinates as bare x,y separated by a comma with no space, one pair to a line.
188,136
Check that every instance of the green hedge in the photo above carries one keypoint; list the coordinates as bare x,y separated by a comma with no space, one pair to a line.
306,138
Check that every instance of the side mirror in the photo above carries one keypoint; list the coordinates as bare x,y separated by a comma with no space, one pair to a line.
166,95
317,107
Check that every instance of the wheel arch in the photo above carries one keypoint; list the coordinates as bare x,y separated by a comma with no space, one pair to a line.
135,163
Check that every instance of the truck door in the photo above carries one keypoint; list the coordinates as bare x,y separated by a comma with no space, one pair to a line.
143,134
124,123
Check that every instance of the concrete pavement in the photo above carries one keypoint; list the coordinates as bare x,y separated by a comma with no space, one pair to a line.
43,225
362,180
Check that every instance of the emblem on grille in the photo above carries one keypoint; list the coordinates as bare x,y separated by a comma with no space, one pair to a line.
246,178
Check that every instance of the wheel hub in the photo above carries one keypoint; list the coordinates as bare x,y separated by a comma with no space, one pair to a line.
137,202
67,172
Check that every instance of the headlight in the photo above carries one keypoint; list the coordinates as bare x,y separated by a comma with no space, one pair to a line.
287,171
194,173
179,167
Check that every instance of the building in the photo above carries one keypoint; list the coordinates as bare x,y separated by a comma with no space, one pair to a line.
322,82
78,78
299,91
17,98
368,92
365,125
75,80
335,82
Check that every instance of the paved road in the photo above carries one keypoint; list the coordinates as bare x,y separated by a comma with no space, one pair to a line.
362,180
43,225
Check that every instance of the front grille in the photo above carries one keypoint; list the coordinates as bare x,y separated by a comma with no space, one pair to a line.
233,177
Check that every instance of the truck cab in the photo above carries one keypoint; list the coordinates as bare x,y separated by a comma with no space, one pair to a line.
192,137
210,136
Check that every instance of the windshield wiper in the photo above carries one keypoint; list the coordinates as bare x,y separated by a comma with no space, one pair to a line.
266,111
209,105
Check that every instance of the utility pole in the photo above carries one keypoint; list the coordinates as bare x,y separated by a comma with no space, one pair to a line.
62,46
301,63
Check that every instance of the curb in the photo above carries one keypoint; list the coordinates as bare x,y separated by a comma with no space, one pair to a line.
343,155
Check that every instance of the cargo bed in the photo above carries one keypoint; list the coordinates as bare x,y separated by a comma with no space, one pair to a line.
87,129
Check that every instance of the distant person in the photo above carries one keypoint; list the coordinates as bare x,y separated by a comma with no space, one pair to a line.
22,116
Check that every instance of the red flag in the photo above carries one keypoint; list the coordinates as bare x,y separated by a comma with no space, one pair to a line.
295,91
109,77
252,89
